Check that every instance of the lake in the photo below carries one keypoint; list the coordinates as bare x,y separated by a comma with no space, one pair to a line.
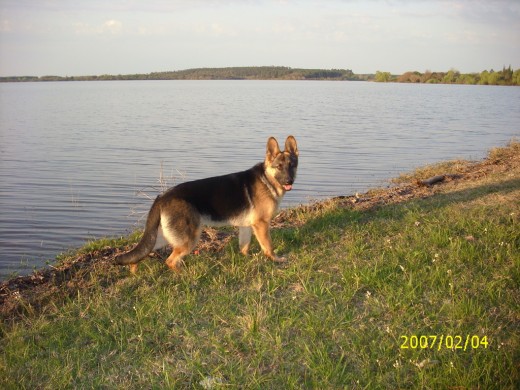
81,160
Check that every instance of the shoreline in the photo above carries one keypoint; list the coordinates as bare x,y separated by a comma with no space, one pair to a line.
507,76
70,274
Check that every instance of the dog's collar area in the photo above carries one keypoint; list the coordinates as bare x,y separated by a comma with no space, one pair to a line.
271,188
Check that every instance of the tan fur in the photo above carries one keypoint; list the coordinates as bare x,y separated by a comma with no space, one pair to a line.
176,221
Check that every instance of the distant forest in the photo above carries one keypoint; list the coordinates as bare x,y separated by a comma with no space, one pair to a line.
236,73
504,77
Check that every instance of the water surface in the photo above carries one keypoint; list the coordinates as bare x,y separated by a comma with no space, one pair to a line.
81,160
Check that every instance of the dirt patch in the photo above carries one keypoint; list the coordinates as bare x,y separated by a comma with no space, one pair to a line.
32,293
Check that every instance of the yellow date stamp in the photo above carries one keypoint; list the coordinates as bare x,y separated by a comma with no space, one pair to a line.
438,342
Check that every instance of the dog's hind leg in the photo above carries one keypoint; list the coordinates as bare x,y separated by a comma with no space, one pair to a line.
181,229
174,261
244,238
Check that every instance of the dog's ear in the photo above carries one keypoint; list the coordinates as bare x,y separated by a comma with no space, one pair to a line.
290,145
273,149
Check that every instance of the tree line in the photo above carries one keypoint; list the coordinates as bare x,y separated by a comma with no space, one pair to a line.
504,77
235,73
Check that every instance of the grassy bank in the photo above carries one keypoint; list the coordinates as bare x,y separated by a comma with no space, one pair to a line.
408,287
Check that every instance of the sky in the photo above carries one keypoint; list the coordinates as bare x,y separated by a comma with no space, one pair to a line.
95,37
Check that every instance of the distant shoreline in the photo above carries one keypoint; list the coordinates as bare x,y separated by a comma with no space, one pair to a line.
507,76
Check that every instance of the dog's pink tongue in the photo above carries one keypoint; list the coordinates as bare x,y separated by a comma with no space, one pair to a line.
287,187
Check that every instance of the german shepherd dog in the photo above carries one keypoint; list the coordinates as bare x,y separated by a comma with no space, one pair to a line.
247,199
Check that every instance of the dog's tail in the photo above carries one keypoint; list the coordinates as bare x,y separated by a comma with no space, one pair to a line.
145,246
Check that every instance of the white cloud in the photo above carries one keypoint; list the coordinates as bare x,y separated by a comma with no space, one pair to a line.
109,27
112,26
217,29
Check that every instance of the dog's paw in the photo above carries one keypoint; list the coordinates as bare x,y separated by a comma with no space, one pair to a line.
279,259
176,266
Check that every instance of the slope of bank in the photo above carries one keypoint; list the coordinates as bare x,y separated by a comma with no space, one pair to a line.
415,285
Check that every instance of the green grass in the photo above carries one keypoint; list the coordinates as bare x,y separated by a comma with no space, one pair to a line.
333,317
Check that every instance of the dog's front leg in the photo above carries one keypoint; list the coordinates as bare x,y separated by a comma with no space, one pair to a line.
261,230
244,238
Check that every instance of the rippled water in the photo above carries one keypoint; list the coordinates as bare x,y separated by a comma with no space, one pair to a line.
79,160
